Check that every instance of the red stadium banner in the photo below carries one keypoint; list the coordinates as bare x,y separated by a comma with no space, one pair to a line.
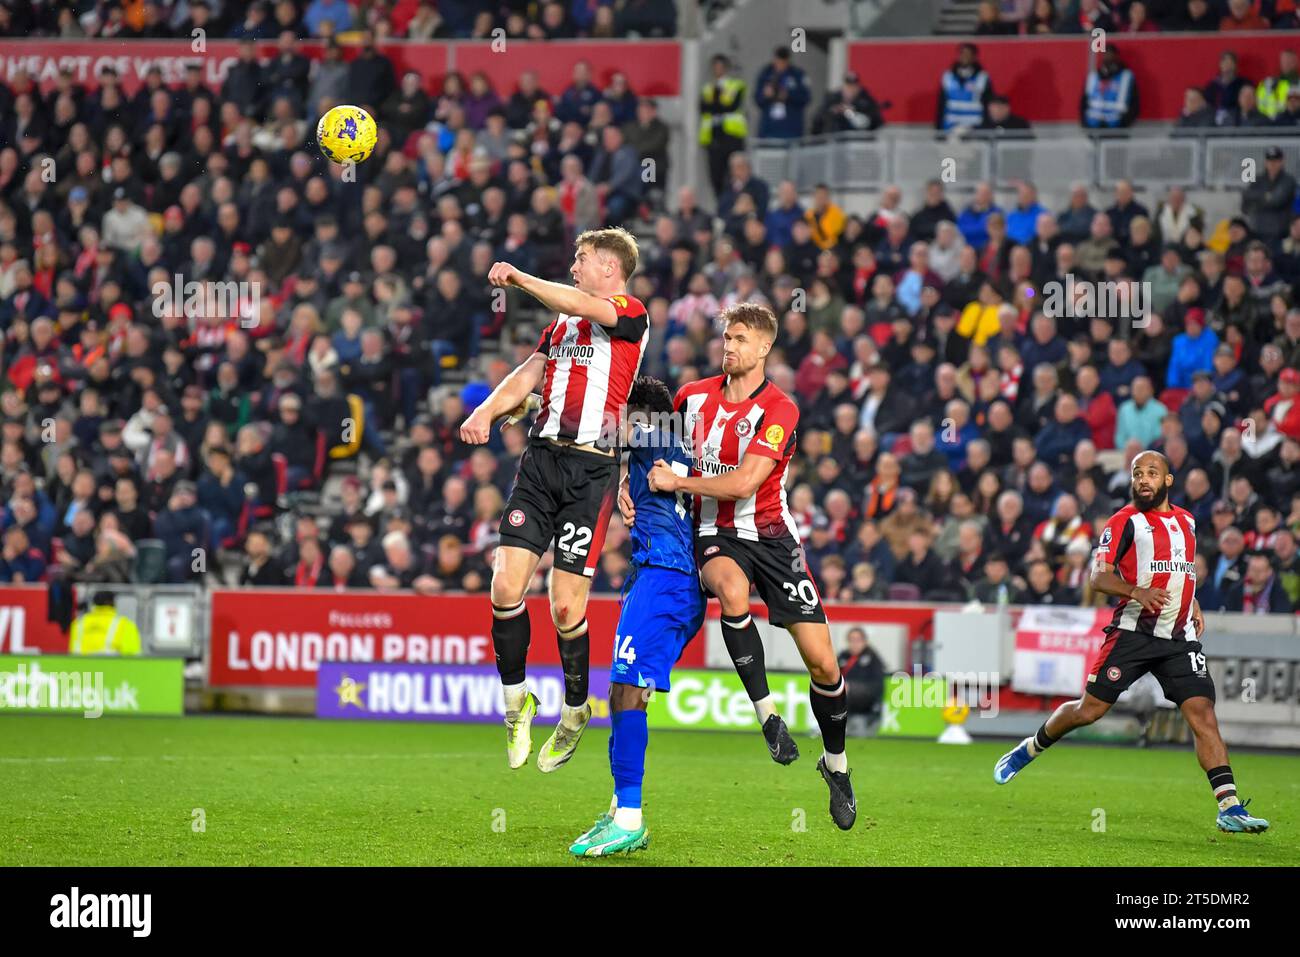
655,70
1044,77
652,67
278,638
134,58
24,625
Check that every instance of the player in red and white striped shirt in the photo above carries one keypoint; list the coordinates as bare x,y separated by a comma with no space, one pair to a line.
585,363
1147,558
740,430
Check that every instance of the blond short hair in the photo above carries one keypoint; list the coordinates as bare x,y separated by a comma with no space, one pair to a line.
757,317
616,240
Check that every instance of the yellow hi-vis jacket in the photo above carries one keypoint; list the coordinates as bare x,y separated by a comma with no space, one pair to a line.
727,109
1270,95
102,631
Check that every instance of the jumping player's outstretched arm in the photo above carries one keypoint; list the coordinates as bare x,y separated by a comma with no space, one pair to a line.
506,398
734,486
556,296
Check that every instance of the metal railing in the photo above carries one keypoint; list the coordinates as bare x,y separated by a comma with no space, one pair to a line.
857,161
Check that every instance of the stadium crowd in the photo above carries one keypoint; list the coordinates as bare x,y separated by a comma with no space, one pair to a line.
1035,17
396,19
961,437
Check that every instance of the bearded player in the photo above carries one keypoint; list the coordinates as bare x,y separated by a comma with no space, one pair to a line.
740,430
585,363
1147,559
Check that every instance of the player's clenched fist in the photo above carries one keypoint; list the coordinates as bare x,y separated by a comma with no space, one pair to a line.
502,274
474,429
625,506
662,478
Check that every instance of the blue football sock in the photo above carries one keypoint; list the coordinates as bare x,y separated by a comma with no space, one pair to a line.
613,733
627,755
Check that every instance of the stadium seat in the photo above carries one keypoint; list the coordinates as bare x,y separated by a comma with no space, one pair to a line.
318,469
1172,398
150,562
902,591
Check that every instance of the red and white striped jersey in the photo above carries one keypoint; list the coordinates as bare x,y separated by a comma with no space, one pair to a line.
1153,549
720,434
589,373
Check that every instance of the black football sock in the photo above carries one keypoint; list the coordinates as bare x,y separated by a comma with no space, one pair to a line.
1225,788
1042,741
511,632
746,650
575,658
830,706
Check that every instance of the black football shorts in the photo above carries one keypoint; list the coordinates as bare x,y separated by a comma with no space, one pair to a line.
777,570
562,497
1126,656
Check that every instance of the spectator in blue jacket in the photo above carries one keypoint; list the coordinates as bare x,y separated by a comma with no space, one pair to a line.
742,180
956,433
1231,381
973,221
337,12
1193,351
1195,404
1120,370
782,94
1260,591
787,211
576,102
22,512
20,562
221,494
1059,438
183,527
256,25
1022,222
1044,343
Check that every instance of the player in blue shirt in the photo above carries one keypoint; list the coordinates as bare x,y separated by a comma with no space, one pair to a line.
663,609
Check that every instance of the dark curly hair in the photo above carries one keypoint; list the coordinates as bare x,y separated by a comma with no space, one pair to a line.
649,395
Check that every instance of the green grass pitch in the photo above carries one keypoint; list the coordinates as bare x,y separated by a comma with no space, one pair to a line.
277,791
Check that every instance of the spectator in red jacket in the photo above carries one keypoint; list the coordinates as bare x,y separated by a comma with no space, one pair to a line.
1283,409
1096,407
817,365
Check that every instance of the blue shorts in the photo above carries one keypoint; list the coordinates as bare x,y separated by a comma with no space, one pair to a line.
663,610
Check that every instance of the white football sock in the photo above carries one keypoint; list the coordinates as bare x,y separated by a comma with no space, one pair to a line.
572,718
628,818
515,695
839,763
764,707
613,805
